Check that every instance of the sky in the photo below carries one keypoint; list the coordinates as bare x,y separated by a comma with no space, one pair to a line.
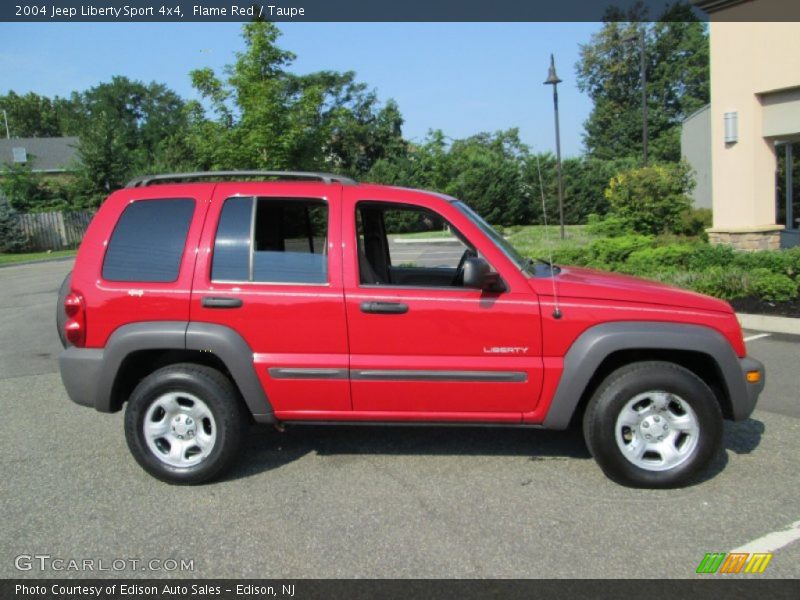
463,78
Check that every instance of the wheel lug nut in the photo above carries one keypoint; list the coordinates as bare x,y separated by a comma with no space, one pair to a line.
645,424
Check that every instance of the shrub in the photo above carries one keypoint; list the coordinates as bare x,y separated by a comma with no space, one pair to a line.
651,260
693,222
571,255
611,253
653,198
706,255
780,261
722,282
773,287
609,226
12,237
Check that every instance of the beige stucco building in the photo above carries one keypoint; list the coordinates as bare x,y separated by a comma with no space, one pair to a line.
755,124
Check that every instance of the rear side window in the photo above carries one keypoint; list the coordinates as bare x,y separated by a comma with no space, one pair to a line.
272,240
148,241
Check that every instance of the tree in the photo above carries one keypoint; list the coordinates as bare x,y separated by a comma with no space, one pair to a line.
486,170
22,188
12,237
677,65
264,117
31,115
128,128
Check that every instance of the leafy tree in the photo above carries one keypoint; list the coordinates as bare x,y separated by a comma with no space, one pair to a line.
31,115
128,128
12,237
677,66
23,189
265,117
486,170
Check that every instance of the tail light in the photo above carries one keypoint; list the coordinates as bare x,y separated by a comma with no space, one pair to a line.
75,327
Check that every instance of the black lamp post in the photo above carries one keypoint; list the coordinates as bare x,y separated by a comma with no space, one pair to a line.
640,37
552,79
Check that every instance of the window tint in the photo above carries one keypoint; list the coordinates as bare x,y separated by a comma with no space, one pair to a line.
232,247
289,241
148,241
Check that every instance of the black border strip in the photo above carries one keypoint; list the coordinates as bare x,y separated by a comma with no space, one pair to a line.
730,588
383,10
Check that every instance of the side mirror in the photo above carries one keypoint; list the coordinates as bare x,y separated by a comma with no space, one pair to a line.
479,275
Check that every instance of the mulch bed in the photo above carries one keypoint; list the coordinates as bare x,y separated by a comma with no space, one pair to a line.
755,306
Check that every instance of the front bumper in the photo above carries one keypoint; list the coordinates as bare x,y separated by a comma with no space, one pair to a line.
744,404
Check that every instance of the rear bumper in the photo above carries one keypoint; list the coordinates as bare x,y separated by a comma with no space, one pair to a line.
743,404
81,372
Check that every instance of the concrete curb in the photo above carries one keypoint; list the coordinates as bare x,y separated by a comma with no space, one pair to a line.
769,323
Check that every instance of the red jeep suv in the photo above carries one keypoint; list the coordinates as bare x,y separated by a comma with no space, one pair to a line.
206,301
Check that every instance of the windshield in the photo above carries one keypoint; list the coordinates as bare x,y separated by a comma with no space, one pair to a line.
522,263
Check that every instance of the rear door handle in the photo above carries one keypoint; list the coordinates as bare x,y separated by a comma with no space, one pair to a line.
384,308
215,302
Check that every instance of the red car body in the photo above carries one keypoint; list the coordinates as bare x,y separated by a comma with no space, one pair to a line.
322,327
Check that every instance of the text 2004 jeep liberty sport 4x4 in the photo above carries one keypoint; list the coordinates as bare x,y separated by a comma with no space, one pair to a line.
206,305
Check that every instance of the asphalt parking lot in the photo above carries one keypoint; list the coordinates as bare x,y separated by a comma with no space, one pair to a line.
370,501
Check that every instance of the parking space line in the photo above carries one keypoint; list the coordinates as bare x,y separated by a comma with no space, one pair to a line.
758,336
772,541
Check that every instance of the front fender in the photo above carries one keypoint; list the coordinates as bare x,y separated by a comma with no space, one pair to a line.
597,343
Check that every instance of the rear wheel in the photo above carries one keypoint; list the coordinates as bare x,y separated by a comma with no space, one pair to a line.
61,314
184,423
653,424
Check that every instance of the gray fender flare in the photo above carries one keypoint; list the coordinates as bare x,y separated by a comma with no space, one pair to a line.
234,351
595,344
223,342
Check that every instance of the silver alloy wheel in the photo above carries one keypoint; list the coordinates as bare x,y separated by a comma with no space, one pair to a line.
179,429
657,431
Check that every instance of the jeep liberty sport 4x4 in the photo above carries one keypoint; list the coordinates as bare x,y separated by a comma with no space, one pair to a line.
295,298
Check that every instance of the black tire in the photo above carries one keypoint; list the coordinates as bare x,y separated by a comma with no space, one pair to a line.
219,395
638,380
61,314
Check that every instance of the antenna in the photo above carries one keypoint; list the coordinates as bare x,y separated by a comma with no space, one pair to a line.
556,310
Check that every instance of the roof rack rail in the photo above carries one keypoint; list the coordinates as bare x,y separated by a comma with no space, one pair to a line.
146,180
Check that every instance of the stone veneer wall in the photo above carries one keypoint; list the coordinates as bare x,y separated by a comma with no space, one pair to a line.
747,240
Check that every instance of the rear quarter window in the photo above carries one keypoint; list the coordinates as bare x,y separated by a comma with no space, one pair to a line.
147,243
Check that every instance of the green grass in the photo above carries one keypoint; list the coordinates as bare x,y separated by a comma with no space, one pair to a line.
532,241
10,259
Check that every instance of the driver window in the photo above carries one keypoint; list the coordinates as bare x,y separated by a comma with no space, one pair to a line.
407,245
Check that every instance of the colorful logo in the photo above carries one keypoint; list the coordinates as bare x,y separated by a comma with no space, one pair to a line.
734,562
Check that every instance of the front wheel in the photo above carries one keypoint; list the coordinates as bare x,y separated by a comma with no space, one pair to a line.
653,424
184,423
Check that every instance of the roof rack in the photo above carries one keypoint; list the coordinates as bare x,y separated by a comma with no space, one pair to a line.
146,180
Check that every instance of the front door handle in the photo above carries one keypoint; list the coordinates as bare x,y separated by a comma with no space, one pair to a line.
384,308
215,302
